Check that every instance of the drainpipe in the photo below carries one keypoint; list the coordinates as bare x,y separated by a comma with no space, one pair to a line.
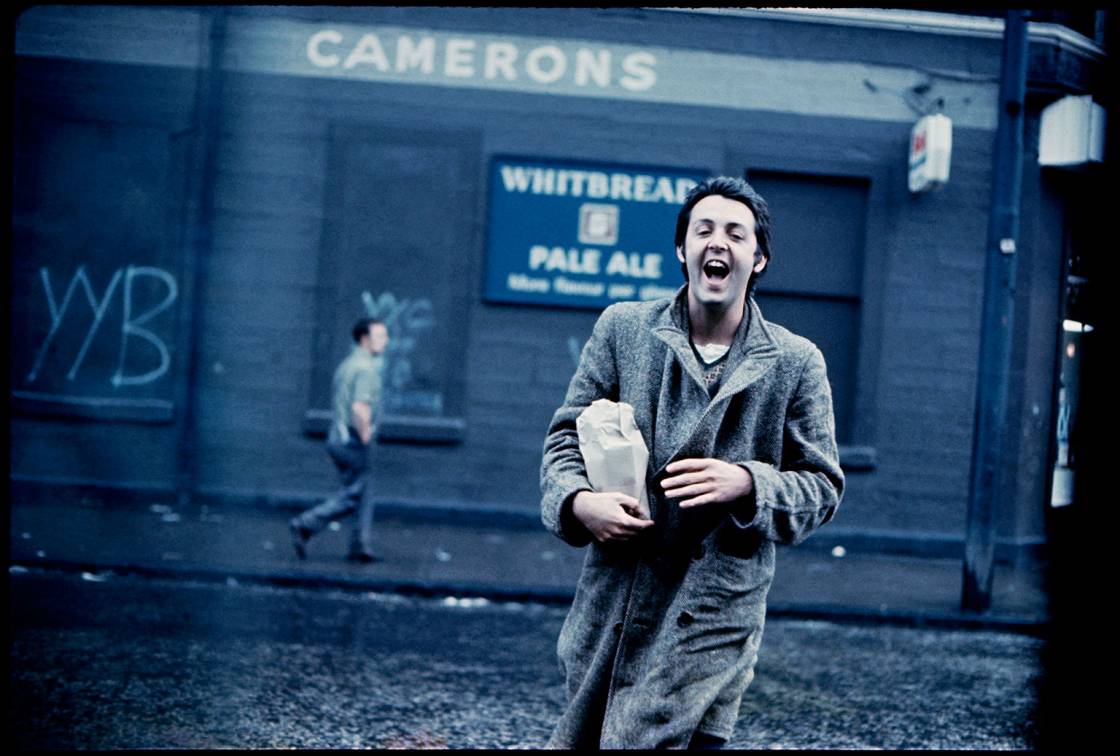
985,489
208,107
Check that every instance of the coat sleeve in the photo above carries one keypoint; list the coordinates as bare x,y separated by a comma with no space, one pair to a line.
792,500
562,470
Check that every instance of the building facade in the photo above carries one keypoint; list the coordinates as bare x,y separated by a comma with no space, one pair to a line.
206,198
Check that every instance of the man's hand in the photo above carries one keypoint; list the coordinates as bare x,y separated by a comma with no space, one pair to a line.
609,516
361,417
706,481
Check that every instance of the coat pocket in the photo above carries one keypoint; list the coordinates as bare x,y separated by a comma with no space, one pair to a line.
743,559
722,602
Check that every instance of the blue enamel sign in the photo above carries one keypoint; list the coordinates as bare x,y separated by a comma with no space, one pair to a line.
582,235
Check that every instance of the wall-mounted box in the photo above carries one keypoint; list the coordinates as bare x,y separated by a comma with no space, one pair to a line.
931,147
1071,132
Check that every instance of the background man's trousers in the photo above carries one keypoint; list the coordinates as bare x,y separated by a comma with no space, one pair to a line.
353,462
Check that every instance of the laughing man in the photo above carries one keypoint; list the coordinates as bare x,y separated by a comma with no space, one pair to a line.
663,635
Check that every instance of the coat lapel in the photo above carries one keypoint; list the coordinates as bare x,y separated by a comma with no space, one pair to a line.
676,397
677,341
757,355
759,352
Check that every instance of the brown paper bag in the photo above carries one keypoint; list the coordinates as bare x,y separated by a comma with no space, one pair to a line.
613,450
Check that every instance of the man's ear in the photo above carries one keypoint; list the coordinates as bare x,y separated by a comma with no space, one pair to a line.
680,254
761,264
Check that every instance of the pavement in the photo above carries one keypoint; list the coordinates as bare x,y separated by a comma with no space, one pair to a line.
465,552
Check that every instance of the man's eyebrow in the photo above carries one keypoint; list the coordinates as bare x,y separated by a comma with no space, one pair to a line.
728,224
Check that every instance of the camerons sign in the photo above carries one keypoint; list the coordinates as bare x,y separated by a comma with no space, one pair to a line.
576,235
270,43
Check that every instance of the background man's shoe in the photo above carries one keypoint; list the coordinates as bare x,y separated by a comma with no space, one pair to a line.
362,557
300,537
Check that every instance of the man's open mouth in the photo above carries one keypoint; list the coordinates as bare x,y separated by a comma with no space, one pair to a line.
716,269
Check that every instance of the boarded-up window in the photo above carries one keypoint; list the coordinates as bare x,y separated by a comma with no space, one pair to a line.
399,243
814,284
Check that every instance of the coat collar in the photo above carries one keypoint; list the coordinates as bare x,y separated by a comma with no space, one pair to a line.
755,348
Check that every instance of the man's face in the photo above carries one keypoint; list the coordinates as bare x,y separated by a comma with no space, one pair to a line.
719,252
377,338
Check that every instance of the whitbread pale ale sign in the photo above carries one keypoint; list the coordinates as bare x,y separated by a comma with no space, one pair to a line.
582,235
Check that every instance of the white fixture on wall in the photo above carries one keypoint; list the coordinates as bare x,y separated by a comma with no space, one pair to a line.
931,147
1071,132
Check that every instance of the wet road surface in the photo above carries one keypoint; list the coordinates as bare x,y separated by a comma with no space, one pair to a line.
109,662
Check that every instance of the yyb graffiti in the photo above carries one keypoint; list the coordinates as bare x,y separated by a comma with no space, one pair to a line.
132,323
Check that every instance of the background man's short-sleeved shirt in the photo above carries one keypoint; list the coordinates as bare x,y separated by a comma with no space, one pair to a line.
357,379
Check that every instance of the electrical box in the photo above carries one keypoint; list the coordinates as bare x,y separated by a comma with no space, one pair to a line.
931,147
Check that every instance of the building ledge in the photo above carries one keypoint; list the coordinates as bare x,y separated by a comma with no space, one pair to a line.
930,22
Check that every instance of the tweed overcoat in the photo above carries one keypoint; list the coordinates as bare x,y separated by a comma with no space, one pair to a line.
663,633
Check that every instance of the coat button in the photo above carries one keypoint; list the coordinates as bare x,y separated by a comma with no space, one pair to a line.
618,627
685,619
698,552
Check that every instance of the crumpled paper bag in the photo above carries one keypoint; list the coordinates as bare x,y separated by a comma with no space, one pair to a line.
613,450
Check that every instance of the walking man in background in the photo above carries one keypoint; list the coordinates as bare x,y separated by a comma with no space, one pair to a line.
736,412
355,405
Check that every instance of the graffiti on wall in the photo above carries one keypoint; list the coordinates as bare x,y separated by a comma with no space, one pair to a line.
408,321
130,369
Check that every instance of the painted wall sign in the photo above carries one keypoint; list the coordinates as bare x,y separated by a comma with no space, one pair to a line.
580,235
496,60
559,65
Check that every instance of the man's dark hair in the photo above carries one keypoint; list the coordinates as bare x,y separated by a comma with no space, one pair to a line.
734,189
361,328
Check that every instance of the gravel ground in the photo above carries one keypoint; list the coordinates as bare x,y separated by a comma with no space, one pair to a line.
105,662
